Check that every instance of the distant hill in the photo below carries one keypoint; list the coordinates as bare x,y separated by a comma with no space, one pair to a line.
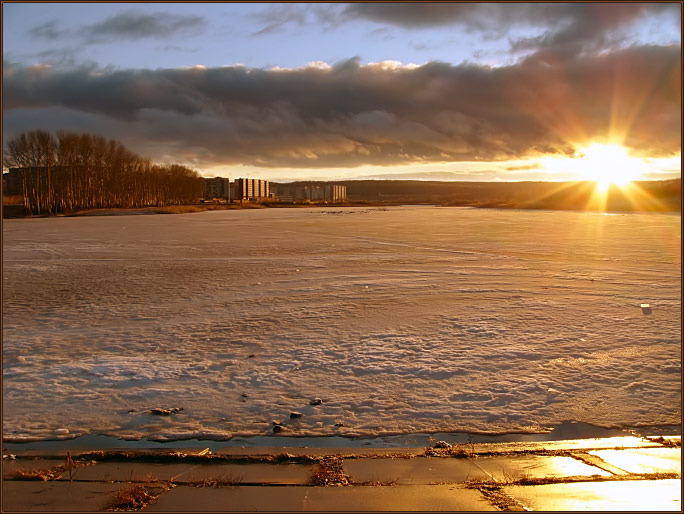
661,196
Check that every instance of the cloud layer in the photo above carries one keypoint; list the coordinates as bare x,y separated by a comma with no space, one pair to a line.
581,81
350,114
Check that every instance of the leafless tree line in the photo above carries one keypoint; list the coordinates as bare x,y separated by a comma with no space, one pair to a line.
72,171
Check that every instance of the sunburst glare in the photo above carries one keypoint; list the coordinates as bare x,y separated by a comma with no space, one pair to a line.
607,164
604,164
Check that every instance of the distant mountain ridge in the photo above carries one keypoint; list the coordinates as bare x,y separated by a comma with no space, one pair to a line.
648,196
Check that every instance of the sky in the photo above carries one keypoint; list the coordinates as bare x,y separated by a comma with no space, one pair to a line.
333,91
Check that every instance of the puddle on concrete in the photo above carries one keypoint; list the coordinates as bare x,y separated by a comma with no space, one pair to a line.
644,460
509,468
628,495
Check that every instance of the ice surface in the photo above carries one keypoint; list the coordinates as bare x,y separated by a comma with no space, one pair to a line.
401,320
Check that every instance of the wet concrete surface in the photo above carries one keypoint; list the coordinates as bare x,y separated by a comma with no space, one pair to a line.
55,496
511,468
342,499
286,474
642,495
424,471
591,474
645,460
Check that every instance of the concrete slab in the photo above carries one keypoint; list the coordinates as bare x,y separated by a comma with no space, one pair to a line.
55,496
627,495
507,468
425,471
318,499
399,498
645,460
292,474
239,498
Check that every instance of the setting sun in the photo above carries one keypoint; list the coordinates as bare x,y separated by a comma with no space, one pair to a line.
606,165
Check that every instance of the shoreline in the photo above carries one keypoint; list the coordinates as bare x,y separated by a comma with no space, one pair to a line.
13,211
565,431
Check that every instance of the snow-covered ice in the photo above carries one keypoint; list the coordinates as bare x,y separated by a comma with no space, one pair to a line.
400,320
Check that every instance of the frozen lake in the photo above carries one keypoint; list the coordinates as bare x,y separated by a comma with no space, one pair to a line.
400,320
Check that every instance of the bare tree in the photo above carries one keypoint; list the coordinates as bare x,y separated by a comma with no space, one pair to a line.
75,171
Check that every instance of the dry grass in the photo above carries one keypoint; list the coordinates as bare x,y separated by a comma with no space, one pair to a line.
132,497
70,466
497,497
39,474
136,496
184,209
670,443
329,471
228,480
168,209
391,481
179,209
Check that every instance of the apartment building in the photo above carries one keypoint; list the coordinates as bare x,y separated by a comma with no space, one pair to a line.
217,187
250,189
315,193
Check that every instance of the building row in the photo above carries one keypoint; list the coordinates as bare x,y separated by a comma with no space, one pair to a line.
240,190
332,193
247,189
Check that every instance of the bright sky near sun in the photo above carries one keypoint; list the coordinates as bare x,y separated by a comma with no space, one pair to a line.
443,91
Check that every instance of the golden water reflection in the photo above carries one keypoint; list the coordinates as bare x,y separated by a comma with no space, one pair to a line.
628,495
535,466
644,460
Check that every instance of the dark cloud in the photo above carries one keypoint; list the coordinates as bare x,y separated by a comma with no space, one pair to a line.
431,14
277,17
136,25
489,16
351,115
566,26
47,30
592,26
131,25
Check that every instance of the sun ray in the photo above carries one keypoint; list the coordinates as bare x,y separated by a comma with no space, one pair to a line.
607,164
563,187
